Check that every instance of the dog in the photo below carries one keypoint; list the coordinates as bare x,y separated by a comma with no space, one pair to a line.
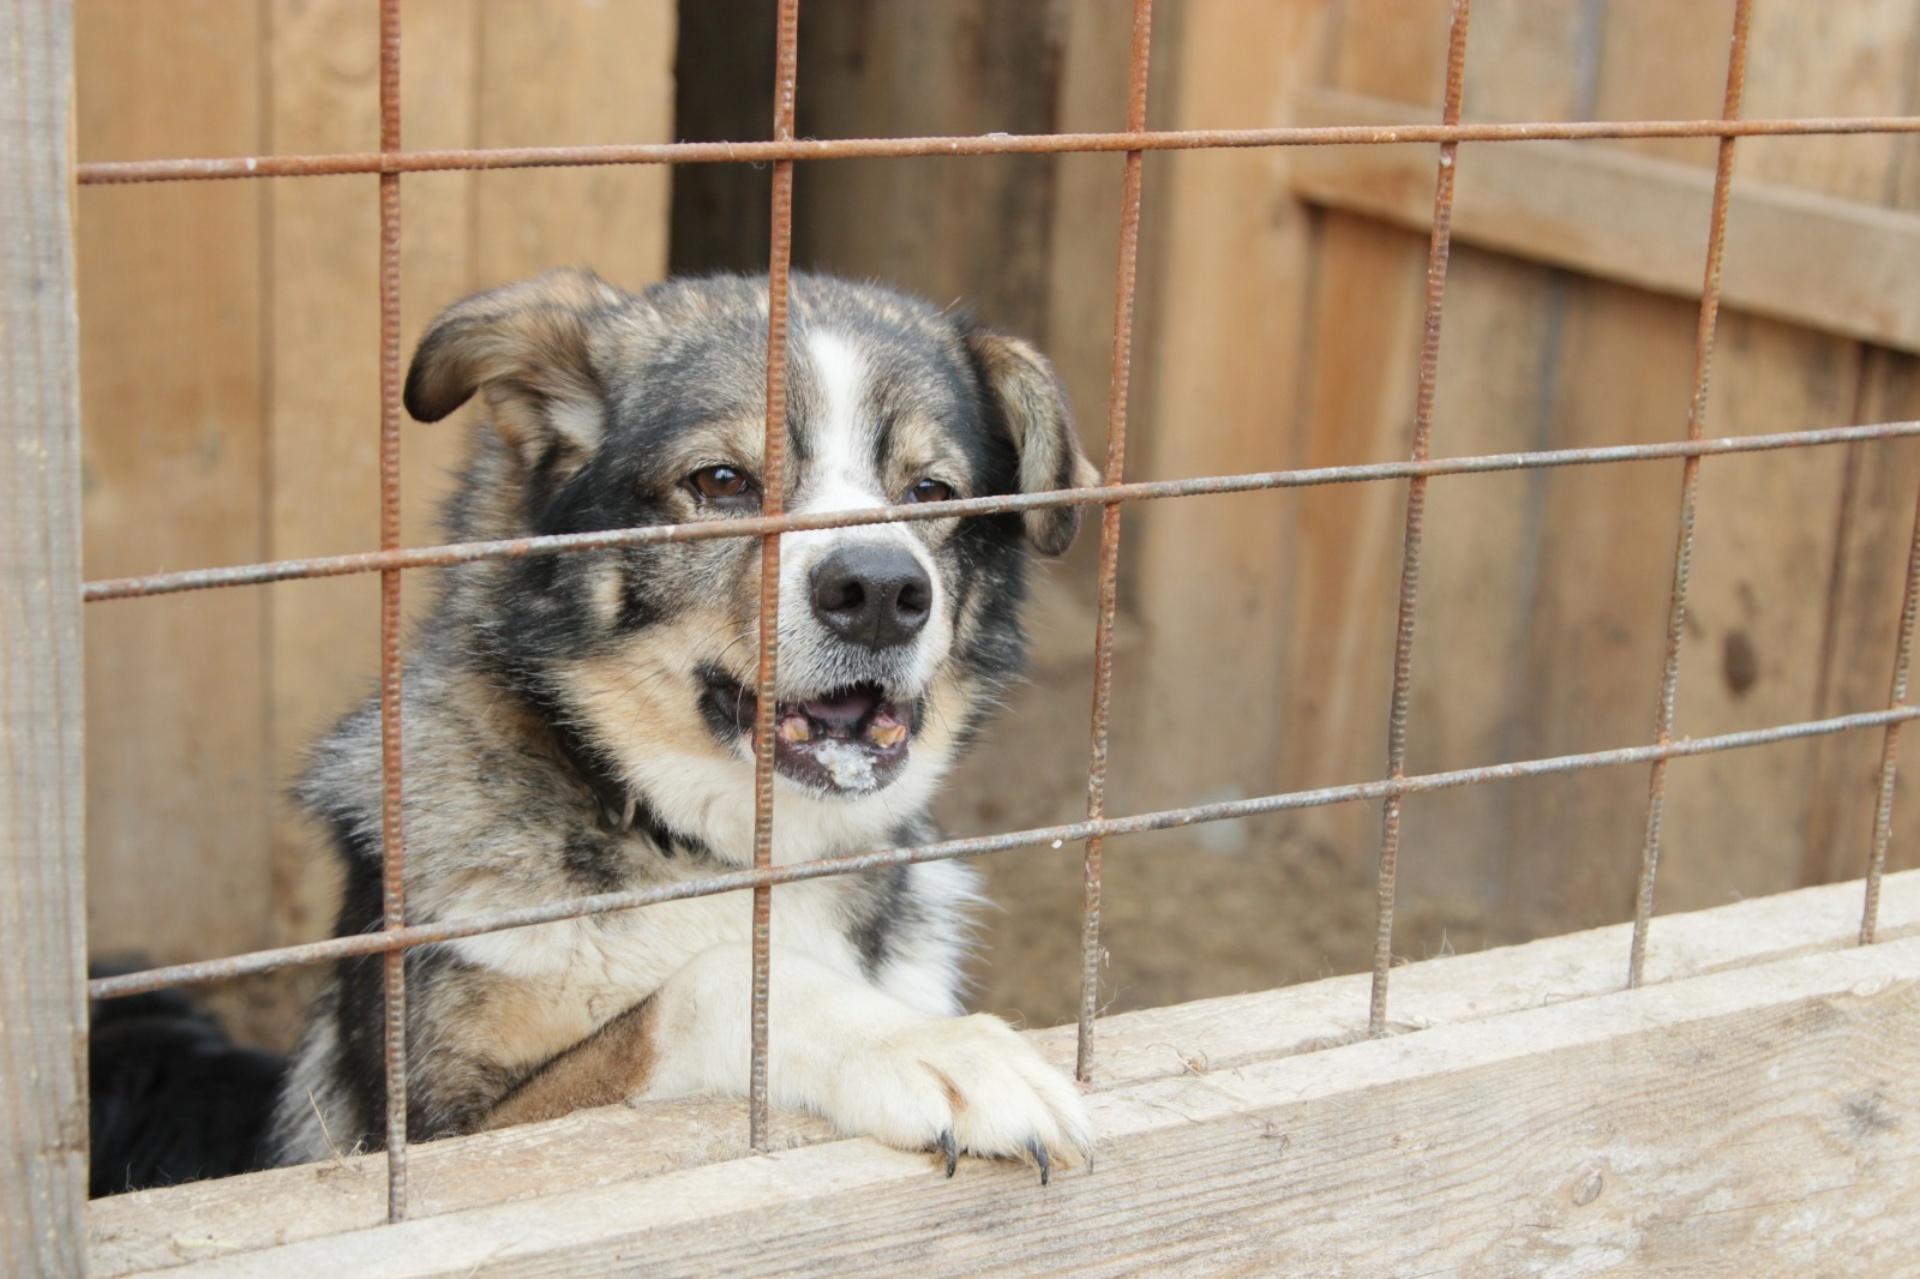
584,723
173,1099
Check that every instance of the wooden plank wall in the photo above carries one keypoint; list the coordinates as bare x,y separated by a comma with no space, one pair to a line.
1543,597
230,388
229,351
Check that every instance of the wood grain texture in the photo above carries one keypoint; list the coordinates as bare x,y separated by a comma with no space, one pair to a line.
1541,612
1863,618
1356,403
1793,254
1875,517
323,371
1765,545
974,232
616,86
1501,322
43,1120
1225,272
323,407
172,393
1745,1107
474,73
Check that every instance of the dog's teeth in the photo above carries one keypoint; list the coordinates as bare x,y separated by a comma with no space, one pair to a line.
794,728
886,732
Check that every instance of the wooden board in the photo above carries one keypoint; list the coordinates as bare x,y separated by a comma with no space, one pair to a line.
1710,1111
1500,322
971,232
1355,403
474,72
617,87
323,414
1225,265
1875,520
1875,534
172,347
43,1126
1544,602
1809,259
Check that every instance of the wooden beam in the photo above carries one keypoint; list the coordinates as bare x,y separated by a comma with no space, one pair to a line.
43,1123
1704,1126
1146,1055
1793,255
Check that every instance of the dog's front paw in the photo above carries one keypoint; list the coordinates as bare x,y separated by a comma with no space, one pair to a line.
964,1084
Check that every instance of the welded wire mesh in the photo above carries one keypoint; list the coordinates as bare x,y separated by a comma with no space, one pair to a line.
784,150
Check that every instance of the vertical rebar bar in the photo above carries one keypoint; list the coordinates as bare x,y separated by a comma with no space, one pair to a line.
1124,275
1890,744
773,479
394,855
1689,491
1439,246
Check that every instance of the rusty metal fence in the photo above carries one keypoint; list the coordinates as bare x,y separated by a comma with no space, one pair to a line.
783,151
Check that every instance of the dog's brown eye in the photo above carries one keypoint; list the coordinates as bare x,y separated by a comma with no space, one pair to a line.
929,491
721,484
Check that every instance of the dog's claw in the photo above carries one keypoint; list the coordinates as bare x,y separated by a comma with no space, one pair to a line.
951,1150
1039,1153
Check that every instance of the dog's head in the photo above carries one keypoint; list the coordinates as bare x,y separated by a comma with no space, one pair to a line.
613,410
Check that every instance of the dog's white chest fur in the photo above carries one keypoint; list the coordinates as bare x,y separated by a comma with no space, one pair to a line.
607,963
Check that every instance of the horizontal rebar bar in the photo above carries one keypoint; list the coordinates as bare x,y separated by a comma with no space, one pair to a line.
1075,832
113,172
1147,490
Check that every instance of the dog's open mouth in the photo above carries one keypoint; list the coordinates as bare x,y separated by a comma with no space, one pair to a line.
850,741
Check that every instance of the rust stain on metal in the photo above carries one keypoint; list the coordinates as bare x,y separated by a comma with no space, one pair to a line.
394,855
1439,245
1689,491
114,172
1125,272
1139,491
779,258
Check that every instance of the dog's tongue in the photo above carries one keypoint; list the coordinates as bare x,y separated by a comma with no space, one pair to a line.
844,710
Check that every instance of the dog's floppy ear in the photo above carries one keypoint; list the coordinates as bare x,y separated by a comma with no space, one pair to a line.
1026,396
528,348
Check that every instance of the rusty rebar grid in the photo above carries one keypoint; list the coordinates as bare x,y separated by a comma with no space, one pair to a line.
103,173
773,499
1125,272
394,850
1438,247
1689,493
1165,819
450,553
390,560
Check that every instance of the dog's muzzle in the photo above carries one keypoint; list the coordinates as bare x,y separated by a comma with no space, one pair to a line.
872,594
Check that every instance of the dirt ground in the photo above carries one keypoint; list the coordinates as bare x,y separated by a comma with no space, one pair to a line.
1188,923
1181,917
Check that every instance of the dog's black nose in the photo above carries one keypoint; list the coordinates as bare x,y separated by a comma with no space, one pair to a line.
873,595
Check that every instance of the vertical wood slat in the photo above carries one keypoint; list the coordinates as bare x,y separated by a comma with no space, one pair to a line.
43,1129
172,340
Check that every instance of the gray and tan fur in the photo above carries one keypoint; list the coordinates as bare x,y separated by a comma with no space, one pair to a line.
580,723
